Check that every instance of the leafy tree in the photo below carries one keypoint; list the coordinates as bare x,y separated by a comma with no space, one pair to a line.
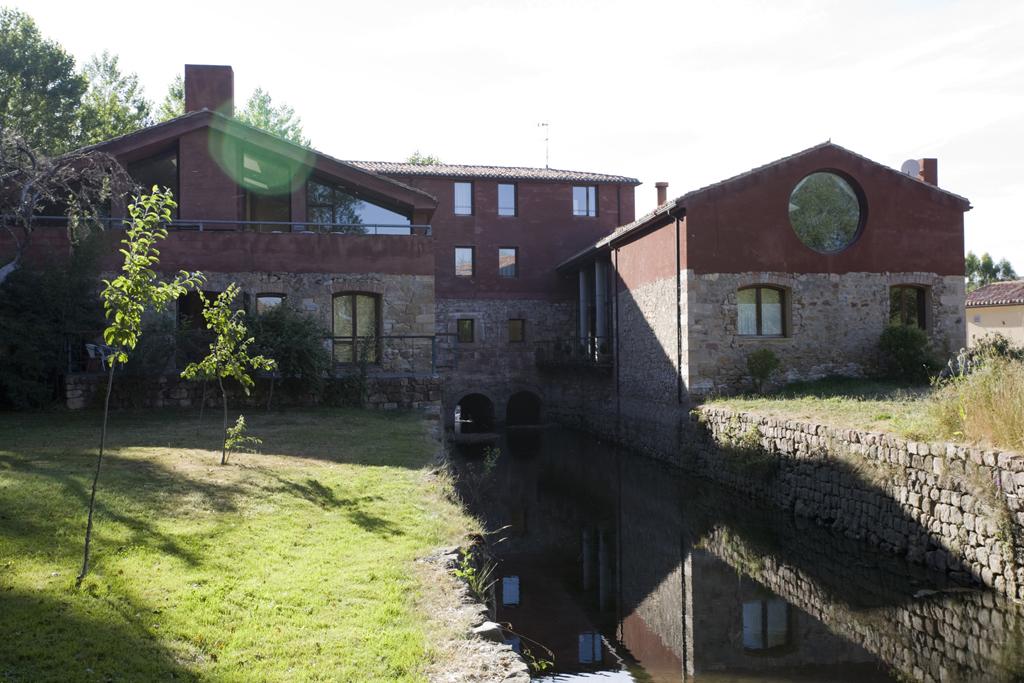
296,341
40,92
127,297
983,271
114,103
905,354
762,364
77,184
174,101
229,352
422,159
280,120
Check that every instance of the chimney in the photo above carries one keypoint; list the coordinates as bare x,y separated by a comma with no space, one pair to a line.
929,171
662,187
208,86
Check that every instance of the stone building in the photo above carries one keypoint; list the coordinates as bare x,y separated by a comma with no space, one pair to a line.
810,256
530,293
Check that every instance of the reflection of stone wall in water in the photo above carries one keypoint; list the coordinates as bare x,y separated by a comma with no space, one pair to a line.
956,636
950,506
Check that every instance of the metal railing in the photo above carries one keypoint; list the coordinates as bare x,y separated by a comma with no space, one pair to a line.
580,351
269,227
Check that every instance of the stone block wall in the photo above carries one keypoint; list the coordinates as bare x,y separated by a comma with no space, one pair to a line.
957,509
833,323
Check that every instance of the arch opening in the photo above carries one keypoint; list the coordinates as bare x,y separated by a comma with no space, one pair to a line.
474,414
524,408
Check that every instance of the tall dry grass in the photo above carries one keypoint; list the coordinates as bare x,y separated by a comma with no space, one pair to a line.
985,406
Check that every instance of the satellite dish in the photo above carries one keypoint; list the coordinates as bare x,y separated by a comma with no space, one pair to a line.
911,167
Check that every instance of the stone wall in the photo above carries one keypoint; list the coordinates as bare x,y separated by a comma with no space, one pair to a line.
383,392
492,365
957,509
833,323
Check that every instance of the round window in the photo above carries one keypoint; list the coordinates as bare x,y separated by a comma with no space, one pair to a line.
825,212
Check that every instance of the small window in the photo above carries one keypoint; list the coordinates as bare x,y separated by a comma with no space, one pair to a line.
761,312
516,330
265,302
907,306
160,170
584,200
463,199
508,262
506,199
765,624
510,591
590,647
464,261
356,323
465,330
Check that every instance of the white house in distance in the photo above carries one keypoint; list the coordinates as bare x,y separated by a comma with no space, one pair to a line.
996,308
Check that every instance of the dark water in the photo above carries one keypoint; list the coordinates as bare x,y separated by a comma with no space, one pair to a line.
616,568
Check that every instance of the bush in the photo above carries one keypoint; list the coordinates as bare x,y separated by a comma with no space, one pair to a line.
905,354
42,310
986,405
762,364
296,341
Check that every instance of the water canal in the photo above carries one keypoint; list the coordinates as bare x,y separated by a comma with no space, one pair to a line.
615,568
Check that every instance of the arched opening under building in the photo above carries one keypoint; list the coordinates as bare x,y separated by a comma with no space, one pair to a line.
523,409
474,415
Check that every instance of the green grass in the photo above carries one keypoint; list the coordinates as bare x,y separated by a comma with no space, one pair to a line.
847,403
294,564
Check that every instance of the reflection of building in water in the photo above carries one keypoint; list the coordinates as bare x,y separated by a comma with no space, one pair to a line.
686,584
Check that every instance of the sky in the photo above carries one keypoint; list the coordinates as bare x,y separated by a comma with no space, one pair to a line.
690,93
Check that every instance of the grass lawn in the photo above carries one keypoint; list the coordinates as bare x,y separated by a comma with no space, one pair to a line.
293,564
849,403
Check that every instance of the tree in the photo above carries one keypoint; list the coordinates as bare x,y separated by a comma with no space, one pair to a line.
280,120
40,92
983,271
127,297
78,185
174,101
114,103
422,159
229,352
295,340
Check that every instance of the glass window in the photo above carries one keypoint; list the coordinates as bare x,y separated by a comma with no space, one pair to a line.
825,211
329,205
516,330
907,306
584,200
760,312
508,265
464,328
765,624
356,321
160,170
265,302
506,199
463,199
464,261
590,647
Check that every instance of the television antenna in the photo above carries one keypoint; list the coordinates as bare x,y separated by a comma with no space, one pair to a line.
547,146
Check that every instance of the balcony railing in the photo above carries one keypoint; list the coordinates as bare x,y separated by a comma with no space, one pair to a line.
589,351
271,227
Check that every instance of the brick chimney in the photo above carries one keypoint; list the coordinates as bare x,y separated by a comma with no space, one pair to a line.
662,188
929,171
209,86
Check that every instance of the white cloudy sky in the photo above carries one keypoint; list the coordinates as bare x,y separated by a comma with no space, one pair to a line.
678,91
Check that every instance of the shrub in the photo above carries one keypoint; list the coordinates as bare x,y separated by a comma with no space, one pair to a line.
762,364
905,354
986,405
42,310
296,341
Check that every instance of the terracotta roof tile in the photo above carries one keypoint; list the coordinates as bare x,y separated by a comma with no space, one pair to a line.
490,172
998,294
